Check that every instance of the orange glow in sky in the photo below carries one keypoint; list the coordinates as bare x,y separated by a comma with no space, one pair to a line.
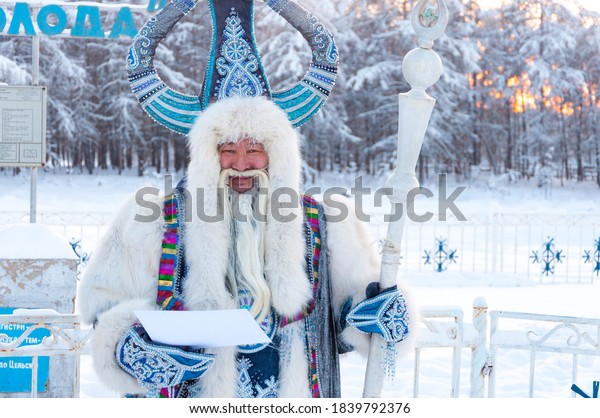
588,4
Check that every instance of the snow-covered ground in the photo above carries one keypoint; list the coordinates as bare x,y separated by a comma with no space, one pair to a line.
77,196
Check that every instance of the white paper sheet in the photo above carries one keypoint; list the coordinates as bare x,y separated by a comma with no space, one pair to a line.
202,329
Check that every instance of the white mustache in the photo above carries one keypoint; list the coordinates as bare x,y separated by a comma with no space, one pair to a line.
228,173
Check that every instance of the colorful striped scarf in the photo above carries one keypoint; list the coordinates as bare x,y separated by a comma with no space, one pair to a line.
171,272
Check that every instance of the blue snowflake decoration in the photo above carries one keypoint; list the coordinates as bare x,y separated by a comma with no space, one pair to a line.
595,389
82,257
548,258
588,257
442,256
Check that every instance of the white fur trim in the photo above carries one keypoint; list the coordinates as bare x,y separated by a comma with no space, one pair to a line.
353,262
124,260
111,326
293,374
220,380
206,242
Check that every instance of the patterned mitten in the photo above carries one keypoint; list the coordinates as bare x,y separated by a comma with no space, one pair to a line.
156,365
383,313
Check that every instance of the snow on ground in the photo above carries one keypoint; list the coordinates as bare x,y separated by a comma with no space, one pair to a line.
103,193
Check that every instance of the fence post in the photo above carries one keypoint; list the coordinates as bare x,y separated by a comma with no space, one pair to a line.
479,350
495,241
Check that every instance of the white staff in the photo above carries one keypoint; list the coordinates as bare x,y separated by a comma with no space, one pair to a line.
422,68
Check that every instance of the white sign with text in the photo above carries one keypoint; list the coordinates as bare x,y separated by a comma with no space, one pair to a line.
22,126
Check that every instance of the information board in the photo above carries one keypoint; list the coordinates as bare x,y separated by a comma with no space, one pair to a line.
22,126
15,372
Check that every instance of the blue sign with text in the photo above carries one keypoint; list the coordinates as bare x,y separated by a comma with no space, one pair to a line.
15,372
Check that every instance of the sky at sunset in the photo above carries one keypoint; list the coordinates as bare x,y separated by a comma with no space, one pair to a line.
588,4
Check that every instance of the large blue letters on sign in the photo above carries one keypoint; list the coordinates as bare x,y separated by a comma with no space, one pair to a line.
21,17
88,22
123,24
95,28
61,19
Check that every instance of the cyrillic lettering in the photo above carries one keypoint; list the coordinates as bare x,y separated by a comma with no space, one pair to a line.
123,24
61,19
2,19
95,28
21,16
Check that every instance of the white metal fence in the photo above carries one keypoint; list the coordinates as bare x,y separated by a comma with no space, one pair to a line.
485,337
483,246
491,334
562,247
548,248
536,334
64,344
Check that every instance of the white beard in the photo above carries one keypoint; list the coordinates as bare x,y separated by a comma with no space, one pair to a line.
246,215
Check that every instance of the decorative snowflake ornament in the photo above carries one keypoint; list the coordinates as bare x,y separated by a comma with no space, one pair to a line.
442,256
548,257
594,257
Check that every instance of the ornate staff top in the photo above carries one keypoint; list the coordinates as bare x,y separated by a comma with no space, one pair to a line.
422,67
429,21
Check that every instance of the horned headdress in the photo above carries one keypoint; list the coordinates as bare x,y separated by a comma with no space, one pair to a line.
234,66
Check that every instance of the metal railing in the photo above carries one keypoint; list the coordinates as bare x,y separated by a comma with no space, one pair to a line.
570,336
503,244
546,248
444,327
65,338
441,327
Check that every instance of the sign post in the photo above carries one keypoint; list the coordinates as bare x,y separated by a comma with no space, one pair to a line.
35,80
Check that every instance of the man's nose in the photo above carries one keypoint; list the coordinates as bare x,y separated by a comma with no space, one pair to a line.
241,162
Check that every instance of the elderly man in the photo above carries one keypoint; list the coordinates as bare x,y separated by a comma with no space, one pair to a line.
237,233
303,278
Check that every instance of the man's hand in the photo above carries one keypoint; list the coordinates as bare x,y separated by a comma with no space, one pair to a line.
382,312
157,365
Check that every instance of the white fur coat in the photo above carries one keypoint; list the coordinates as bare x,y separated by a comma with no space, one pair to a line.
122,275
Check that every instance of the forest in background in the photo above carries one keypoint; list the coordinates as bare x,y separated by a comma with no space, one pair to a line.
519,93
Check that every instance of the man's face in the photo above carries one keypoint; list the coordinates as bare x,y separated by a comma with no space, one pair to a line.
242,156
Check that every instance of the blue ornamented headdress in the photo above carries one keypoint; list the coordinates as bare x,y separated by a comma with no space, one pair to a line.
234,67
